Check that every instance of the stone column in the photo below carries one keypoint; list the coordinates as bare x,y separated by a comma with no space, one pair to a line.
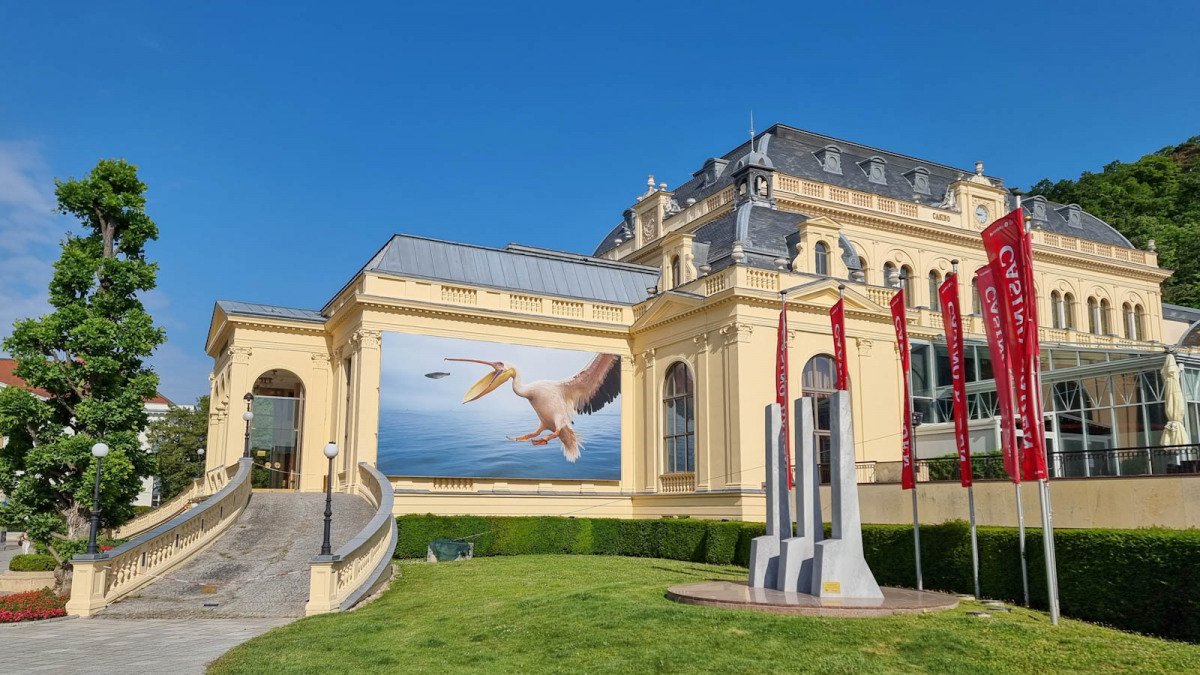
796,552
764,550
839,568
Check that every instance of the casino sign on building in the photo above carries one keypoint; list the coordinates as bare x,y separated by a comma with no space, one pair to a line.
632,382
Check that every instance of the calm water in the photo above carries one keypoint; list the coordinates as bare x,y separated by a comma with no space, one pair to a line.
466,443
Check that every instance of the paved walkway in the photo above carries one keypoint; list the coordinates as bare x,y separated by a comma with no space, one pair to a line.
258,569
112,646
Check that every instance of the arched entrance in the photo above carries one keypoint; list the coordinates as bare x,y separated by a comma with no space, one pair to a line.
275,430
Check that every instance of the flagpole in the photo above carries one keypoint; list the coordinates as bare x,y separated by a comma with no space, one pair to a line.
912,445
1043,482
971,486
1021,537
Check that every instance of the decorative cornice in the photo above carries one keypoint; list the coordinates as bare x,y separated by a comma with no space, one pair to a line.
502,317
737,332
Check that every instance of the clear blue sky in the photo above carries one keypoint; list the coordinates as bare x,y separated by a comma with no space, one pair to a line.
283,145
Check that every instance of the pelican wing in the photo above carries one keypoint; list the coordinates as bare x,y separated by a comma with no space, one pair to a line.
595,386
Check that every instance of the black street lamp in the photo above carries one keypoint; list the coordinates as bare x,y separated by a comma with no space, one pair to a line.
248,415
200,453
99,450
331,451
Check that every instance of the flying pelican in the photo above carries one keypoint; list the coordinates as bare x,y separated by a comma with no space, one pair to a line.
555,402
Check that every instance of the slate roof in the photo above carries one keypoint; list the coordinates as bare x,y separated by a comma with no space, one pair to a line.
269,311
516,268
795,152
1056,220
1180,313
763,232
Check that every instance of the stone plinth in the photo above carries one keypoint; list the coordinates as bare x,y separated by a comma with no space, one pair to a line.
737,595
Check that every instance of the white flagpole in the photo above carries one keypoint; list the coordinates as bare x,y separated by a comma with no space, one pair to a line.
1021,532
1044,488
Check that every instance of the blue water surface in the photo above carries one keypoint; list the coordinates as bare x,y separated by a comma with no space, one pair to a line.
470,443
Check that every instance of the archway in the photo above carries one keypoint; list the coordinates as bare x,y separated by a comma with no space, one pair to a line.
275,430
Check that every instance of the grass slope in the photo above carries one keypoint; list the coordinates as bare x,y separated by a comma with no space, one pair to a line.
600,614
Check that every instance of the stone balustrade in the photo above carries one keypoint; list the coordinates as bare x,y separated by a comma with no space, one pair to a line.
338,581
102,579
674,483
211,483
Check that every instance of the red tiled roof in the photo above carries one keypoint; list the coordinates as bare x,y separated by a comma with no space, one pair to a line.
10,379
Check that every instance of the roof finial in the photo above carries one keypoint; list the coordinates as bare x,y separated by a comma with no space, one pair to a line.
752,131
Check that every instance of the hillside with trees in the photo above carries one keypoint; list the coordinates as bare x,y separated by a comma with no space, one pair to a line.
1157,197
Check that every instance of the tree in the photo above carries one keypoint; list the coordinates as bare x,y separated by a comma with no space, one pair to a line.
174,440
1157,197
88,354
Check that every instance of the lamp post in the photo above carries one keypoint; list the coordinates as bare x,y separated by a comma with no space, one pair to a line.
99,450
248,415
331,451
200,453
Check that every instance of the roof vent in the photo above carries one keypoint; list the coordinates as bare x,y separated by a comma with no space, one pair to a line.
919,177
1071,213
830,158
873,167
712,170
1038,209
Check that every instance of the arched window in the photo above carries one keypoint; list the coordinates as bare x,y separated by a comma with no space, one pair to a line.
819,380
1056,309
1127,321
934,281
889,271
679,419
976,303
1093,316
1069,311
821,250
862,260
1139,321
910,286
1105,317
676,276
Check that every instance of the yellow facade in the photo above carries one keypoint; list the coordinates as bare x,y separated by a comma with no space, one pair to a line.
721,323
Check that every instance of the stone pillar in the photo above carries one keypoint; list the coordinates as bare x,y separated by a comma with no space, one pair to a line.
796,552
839,568
764,550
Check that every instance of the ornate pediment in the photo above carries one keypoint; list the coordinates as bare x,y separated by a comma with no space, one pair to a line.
824,293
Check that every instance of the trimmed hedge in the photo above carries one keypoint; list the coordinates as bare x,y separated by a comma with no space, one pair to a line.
1141,580
32,562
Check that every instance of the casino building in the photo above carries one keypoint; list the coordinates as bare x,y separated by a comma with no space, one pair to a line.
685,288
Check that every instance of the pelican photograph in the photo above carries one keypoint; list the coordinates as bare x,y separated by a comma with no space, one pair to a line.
472,408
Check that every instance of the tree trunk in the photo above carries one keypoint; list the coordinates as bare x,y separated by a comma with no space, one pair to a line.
79,520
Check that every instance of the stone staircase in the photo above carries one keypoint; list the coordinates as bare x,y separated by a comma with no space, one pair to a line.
259,568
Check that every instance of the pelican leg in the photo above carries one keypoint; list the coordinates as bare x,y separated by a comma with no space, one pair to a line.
526,437
544,439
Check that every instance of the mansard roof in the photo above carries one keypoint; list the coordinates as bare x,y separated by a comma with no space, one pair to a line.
1056,217
516,268
762,231
803,154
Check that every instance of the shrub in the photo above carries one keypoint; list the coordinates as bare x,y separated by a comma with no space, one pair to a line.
69,548
32,605
32,562
1140,580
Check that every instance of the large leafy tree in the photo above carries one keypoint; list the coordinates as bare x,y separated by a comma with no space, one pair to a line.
174,440
1157,197
88,356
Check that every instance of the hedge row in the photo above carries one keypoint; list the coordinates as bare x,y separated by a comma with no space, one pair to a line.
1141,580
32,562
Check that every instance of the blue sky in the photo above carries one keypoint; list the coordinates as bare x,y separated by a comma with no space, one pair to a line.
284,142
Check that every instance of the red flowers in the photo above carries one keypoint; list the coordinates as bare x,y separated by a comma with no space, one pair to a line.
32,605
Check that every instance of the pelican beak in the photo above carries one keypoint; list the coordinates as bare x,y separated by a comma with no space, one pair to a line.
487,383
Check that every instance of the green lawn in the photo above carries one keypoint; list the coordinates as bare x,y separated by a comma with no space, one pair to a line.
608,615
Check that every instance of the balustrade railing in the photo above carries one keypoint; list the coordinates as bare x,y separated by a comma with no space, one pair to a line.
683,481
101,579
338,581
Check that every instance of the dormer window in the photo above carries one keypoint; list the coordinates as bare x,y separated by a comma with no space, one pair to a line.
1071,213
1038,208
712,170
873,167
830,158
919,177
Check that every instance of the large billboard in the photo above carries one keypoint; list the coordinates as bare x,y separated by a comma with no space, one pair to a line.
470,408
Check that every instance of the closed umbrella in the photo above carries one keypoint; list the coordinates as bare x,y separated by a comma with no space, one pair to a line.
1175,432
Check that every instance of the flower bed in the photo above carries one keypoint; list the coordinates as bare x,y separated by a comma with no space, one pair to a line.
32,605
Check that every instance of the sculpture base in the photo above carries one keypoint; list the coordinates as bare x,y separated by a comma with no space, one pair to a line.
737,595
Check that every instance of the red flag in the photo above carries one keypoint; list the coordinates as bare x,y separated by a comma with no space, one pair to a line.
993,320
781,389
900,321
952,320
1010,253
837,317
